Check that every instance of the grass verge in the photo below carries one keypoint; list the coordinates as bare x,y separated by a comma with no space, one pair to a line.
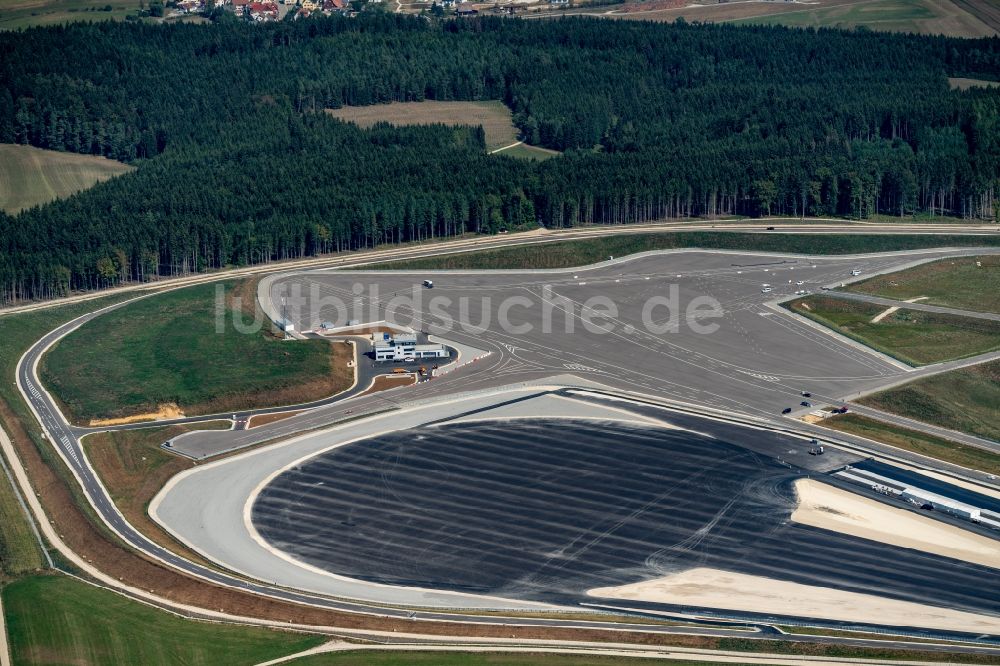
967,283
167,349
414,658
133,468
567,254
19,551
32,176
58,620
966,400
916,441
914,337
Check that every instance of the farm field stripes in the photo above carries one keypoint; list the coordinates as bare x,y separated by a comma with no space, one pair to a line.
32,176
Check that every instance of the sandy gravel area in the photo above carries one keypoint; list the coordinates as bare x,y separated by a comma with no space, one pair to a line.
830,508
713,588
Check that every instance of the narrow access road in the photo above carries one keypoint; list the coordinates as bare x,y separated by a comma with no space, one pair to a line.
910,305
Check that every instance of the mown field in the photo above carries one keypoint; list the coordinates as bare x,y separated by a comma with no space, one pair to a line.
920,16
914,337
32,176
19,552
967,400
494,117
965,84
166,350
567,254
967,283
916,441
58,620
20,14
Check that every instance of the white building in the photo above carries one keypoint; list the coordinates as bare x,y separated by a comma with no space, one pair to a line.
922,497
404,347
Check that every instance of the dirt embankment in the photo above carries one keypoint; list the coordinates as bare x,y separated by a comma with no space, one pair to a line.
386,382
166,411
264,419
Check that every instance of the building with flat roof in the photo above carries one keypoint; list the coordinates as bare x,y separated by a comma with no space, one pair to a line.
404,347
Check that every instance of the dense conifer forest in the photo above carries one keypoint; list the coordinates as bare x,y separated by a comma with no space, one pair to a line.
238,164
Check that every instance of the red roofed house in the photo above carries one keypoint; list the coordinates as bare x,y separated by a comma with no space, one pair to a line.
263,11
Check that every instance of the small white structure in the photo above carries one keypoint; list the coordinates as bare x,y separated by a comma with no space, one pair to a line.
404,347
947,505
285,325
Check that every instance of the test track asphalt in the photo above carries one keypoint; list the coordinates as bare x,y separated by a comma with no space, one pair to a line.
64,439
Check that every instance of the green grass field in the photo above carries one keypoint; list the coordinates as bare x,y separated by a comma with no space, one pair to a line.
20,14
567,254
914,337
968,283
414,658
967,400
165,349
916,441
32,176
19,552
59,620
918,16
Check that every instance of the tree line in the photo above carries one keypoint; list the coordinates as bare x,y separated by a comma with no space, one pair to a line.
238,164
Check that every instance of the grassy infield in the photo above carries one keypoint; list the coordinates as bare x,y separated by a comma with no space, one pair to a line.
78,621
167,350
912,336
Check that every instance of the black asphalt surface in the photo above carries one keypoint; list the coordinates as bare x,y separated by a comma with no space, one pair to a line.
545,510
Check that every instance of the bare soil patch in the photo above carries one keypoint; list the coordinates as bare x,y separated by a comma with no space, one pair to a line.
385,382
494,117
264,419
167,410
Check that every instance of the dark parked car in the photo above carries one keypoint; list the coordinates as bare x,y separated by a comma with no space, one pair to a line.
806,403
786,410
